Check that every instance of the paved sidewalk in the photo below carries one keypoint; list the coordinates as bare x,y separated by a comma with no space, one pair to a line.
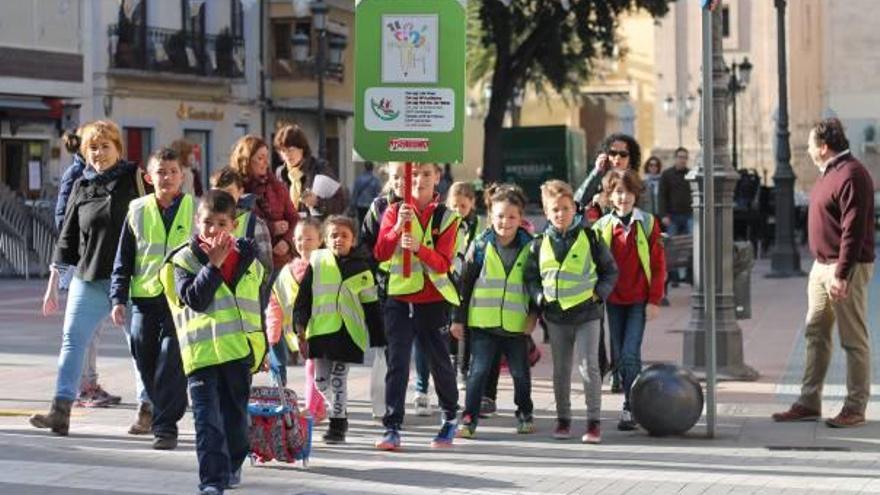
749,455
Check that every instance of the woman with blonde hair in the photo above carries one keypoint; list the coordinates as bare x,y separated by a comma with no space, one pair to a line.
93,221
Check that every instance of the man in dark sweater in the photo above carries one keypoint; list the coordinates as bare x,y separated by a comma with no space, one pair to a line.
841,228
674,202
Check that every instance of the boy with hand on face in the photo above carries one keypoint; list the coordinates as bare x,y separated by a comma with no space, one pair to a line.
156,224
213,285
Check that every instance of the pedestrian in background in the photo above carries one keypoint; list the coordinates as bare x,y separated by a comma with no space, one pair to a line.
653,169
674,202
367,187
299,172
841,224
88,240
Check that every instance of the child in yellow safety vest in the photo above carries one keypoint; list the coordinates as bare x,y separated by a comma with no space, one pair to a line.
279,313
569,273
155,225
337,312
213,285
633,236
495,307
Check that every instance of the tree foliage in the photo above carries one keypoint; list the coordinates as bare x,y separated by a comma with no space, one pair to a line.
540,44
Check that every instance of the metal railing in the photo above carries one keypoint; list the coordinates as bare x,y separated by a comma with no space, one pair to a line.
177,51
27,235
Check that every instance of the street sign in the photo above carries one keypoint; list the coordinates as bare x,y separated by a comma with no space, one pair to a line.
410,80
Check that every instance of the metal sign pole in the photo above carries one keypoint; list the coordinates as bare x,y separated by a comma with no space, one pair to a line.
708,240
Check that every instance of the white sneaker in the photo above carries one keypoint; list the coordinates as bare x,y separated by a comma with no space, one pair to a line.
422,405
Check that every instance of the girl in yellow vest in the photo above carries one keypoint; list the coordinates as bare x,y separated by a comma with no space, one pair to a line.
213,285
495,307
155,225
568,274
279,313
337,311
634,239
249,225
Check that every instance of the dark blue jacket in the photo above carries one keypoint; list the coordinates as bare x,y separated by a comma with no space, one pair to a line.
123,266
198,290
73,172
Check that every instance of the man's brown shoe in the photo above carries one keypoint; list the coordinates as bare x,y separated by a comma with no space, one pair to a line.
846,419
796,413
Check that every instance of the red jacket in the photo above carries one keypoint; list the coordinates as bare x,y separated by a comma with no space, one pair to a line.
438,259
273,204
632,284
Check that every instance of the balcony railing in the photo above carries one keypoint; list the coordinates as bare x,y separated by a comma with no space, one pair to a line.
180,52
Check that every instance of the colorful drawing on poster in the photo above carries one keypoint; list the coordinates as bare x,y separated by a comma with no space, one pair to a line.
409,48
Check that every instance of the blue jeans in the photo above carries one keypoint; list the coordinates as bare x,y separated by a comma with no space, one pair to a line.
485,347
88,303
423,370
278,362
156,352
626,324
219,404
680,224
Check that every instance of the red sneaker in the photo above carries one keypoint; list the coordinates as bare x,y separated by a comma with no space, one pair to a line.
593,435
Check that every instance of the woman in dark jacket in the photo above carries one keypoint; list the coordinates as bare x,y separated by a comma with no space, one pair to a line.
299,172
250,158
93,220
617,151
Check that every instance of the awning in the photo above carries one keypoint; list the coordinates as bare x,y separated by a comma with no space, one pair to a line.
24,104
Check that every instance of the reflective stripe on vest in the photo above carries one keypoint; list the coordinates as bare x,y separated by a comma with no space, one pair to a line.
153,243
230,328
463,242
571,282
499,299
605,227
398,285
244,220
336,302
285,290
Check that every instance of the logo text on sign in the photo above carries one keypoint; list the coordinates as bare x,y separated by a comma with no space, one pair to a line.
409,144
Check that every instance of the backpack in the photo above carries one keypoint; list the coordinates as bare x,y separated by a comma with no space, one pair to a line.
278,429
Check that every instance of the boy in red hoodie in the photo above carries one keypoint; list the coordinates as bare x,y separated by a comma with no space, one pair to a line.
417,307
633,236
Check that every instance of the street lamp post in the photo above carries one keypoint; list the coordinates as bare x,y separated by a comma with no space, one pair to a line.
680,108
740,75
328,59
728,341
785,259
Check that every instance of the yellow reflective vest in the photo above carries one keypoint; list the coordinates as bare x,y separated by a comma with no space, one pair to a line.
153,242
227,330
398,285
604,227
336,301
500,299
285,290
572,281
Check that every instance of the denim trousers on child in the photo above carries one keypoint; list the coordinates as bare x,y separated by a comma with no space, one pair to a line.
626,324
485,347
404,323
582,339
219,404
156,352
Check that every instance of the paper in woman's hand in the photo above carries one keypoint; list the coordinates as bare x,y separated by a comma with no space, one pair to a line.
324,187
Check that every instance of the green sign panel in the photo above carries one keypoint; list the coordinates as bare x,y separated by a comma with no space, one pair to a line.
409,80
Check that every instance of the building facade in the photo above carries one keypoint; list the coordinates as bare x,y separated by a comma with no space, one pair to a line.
41,89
